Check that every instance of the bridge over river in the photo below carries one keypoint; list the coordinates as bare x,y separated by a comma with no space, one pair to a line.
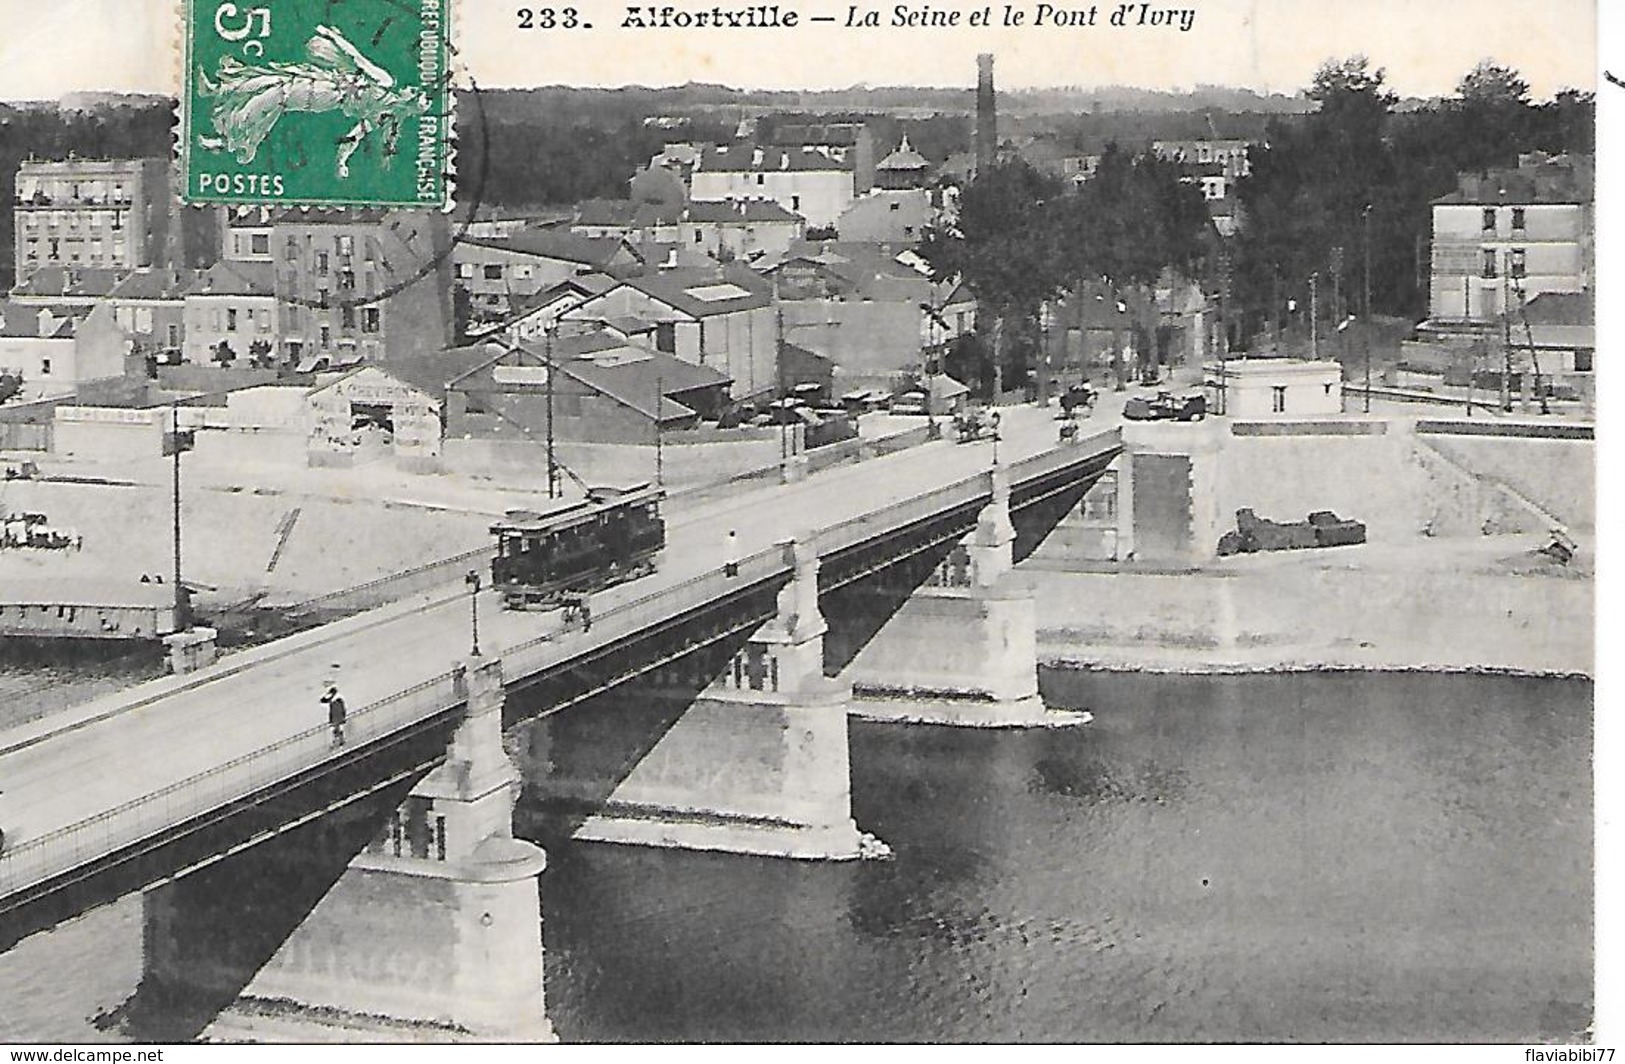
156,782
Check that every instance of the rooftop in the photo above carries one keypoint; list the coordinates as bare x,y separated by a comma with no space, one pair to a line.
595,251
700,292
1562,308
19,321
236,279
751,159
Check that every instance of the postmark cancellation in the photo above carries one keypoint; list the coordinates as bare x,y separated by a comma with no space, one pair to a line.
317,102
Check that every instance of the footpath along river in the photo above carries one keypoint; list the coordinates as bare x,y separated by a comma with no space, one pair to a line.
1306,857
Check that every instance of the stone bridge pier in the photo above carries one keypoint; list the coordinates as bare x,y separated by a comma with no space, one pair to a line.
432,931
758,761
963,647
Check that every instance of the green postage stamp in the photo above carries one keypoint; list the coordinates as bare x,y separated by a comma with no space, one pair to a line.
317,102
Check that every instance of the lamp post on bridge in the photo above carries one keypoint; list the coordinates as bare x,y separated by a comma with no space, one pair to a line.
473,582
995,437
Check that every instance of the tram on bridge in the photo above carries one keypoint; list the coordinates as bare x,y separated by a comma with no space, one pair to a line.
550,560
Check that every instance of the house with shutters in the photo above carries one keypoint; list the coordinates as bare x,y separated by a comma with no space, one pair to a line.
803,180
231,316
1509,235
498,272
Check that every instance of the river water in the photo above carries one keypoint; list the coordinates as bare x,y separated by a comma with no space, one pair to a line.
1326,857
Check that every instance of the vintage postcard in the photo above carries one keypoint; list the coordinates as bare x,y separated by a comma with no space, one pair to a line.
811,522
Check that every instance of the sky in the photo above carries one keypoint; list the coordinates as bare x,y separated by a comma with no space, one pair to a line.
65,46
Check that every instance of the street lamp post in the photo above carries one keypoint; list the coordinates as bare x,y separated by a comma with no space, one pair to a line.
473,582
995,437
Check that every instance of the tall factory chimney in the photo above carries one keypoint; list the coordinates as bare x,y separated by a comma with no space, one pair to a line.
987,115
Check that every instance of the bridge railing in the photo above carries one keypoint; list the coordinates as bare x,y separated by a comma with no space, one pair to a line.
626,618
29,861
1061,457
905,511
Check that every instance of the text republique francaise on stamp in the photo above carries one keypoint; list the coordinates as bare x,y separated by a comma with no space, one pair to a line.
317,103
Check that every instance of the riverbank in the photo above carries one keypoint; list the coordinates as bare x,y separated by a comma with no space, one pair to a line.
1487,604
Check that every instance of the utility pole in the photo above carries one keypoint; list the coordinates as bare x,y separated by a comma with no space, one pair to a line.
660,461
1314,316
1365,217
182,607
1506,333
552,466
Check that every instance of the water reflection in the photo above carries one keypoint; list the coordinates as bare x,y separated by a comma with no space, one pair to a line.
1277,858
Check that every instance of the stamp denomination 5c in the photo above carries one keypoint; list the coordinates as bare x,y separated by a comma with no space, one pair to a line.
317,102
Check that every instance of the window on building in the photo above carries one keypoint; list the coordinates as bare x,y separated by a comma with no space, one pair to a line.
45,367
1516,267
172,335
291,252
347,279
1278,398
325,337
465,270
346,245
894,206
347,316
321,264
1582,361
259,243
666,337
371,319
761,179
294,347
1489,219
492,273
795,203
1489,263
1517,219
231,319
118,221
699,236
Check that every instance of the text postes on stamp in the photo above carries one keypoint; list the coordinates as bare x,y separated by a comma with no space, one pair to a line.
317,102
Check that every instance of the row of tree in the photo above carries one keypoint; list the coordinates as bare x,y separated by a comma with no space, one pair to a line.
1354,178
1023,238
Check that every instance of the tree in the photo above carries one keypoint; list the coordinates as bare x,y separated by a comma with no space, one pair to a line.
1128,223
1490,85
1003,248
462,314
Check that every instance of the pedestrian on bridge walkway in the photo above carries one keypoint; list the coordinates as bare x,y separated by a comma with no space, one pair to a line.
730,554
335,714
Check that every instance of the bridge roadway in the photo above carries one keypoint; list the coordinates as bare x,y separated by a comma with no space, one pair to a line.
107,774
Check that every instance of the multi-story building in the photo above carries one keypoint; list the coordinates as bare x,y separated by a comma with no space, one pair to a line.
231,316
245,233
361,285
722,318
501,272
872,313
92,213
804,181
1508,235
1231,155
